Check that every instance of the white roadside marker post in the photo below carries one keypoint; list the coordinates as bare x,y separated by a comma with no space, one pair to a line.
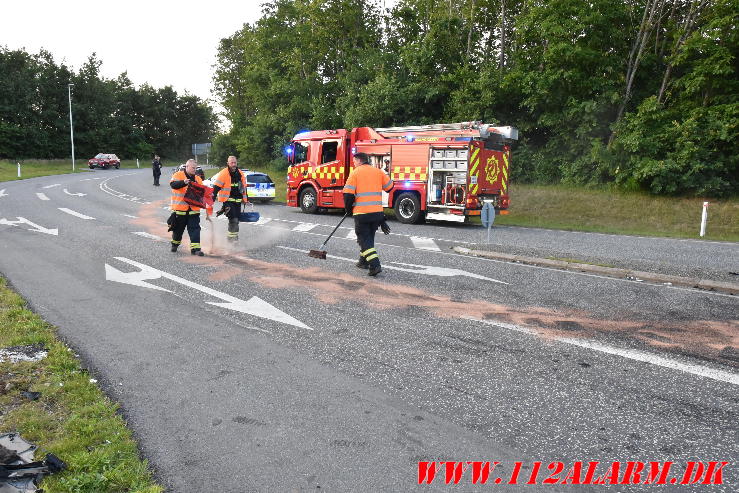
704,219
137,163
19,170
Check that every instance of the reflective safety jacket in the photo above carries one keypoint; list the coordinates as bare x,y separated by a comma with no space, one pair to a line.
178,194
367,183
223,185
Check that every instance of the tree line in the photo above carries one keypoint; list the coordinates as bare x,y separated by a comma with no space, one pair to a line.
642,94
109,115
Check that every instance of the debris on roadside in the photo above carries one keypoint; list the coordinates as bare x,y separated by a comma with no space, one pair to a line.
30,352
19,472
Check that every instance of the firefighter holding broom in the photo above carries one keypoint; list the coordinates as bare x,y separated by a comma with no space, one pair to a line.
187,190
363,198
229,188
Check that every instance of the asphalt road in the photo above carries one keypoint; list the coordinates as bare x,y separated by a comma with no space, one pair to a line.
258,368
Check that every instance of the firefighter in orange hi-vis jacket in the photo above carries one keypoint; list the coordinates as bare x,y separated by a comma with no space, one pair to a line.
185,215
363,198
229,188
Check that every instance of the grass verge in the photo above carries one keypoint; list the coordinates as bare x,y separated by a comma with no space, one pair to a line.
72,419
605,211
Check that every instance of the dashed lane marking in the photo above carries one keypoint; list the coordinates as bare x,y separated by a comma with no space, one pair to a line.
304,227
42,196
52,186
74,213
425,244
149,235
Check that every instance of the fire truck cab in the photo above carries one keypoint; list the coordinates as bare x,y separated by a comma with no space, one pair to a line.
441,172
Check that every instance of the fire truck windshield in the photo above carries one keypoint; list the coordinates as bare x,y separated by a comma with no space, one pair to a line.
300,150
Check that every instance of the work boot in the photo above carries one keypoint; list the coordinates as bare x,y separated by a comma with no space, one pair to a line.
374,271
362,264
199,253
173,248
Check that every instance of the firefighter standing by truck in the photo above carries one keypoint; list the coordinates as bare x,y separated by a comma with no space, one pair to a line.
363,198
185,215
229,188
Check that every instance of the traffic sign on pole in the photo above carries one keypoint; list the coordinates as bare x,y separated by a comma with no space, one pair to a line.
487,217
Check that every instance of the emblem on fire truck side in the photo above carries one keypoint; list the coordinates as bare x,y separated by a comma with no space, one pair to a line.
492,169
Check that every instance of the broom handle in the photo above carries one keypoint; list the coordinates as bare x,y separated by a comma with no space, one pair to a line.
334,231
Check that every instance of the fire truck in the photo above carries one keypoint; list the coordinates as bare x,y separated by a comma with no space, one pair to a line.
441,172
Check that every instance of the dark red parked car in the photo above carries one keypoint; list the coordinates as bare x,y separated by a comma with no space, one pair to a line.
104,161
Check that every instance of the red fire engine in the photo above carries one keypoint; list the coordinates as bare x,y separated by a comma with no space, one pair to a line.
441,172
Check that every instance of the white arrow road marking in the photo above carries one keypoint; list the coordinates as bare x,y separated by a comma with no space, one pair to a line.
304,227
74,213
634,354
2,193
254,306
52,186
425,244
262,221
135,278
42,196
74,194
132,217
421,269
36,227
351,235
149,235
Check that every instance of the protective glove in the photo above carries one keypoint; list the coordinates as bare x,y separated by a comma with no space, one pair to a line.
224,210
348,203
385,227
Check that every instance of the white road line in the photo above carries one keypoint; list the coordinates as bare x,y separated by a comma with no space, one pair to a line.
2,193
74,194
304,227
262,221
52,186
149,235
425,244
351,235
132,217
633,354
74,213
42,196
115,193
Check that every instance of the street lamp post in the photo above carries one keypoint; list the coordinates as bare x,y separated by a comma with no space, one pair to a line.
71,128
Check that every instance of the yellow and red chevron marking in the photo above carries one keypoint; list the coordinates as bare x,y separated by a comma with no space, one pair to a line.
504,180
474,169
400,173
327,172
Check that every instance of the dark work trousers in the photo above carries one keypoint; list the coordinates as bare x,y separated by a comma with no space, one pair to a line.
365,226
233,220
157,174
191,221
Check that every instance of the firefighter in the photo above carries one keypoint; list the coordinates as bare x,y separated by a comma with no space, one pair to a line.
363,198
229,188
183,214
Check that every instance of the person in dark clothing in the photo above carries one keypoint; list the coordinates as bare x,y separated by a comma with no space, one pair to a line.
156,167
185,215
229,188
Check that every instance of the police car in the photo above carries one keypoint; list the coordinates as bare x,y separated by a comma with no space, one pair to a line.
259,186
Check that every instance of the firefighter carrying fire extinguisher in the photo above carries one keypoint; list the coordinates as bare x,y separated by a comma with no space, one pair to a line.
363,198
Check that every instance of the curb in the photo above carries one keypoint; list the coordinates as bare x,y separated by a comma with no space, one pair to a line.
708,285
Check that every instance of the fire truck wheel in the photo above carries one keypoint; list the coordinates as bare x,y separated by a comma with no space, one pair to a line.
408,208
308,202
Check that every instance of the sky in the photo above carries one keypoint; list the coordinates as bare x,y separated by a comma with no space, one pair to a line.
160,42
